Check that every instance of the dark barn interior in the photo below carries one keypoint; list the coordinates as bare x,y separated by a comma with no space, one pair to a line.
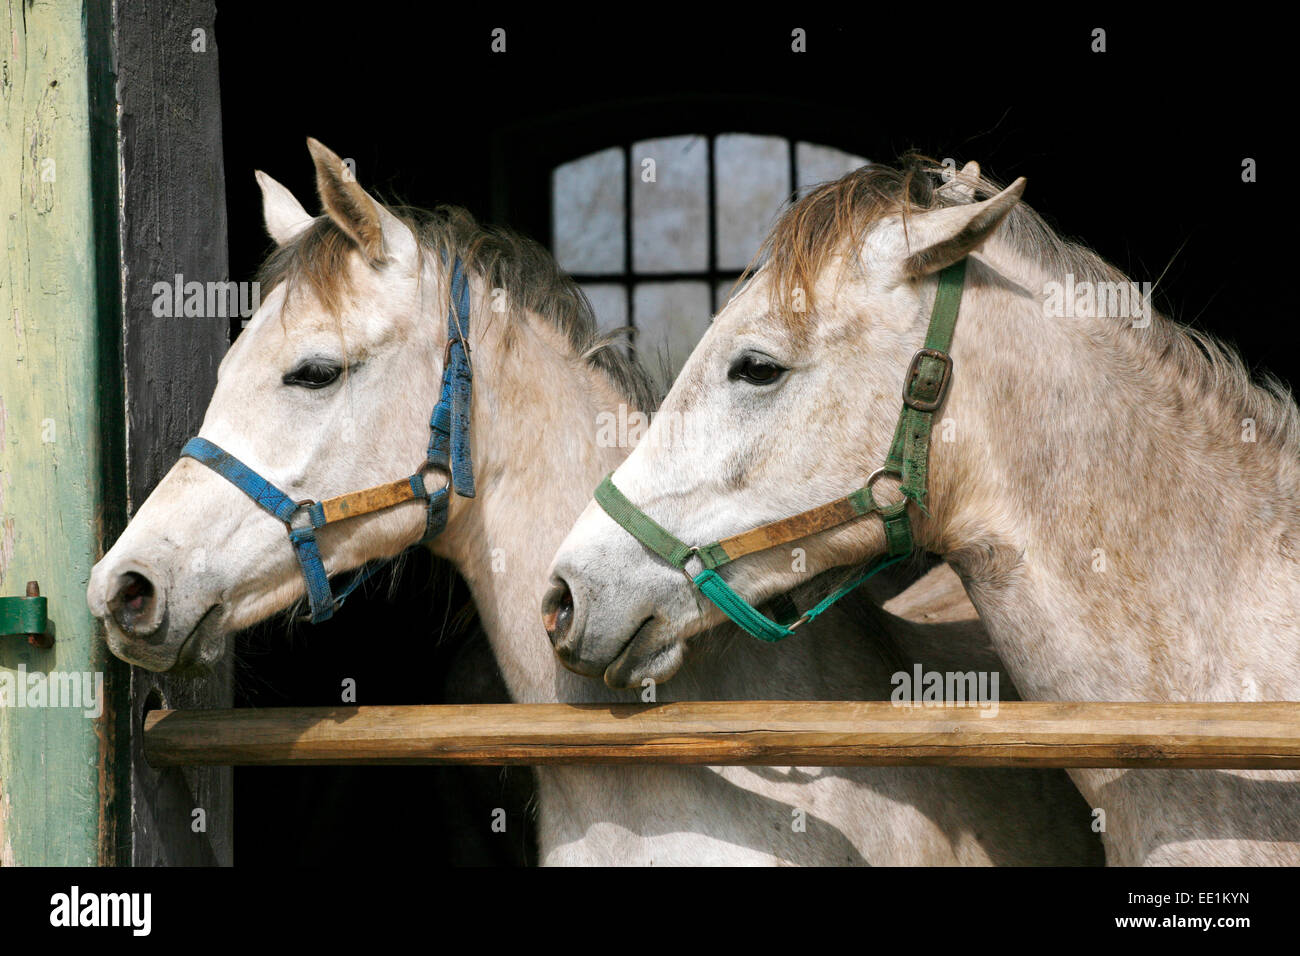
1114,145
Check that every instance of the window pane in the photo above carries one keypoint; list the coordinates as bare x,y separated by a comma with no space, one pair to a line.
609,302
587,213
670,214
821,164
670,318
753,181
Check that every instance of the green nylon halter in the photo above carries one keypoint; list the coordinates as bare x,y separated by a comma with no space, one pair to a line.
924,389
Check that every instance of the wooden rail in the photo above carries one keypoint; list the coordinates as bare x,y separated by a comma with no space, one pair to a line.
763,733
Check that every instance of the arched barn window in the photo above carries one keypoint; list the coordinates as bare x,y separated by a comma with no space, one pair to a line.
657,231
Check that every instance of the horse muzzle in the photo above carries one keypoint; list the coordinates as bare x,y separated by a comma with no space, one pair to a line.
625,657
131,600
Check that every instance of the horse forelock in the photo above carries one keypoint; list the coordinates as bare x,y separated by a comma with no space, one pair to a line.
828,227
320,259
831,223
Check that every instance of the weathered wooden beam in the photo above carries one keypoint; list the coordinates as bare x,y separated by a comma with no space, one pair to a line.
60,414
762,733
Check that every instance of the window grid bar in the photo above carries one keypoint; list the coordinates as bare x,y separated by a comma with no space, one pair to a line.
712,206
794,172
643,278
627,247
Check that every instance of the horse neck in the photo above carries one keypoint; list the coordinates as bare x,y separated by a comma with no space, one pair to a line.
1118,536
537,460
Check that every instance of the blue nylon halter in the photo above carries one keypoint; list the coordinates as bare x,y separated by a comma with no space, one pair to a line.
449,452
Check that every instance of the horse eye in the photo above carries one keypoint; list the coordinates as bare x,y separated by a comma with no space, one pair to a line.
313,374
755,370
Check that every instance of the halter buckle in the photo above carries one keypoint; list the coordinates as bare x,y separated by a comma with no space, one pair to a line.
914,369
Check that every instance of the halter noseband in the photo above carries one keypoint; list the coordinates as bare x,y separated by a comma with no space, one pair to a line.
924,388
449,452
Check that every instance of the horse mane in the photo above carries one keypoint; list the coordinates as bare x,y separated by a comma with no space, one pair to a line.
533,281
834,218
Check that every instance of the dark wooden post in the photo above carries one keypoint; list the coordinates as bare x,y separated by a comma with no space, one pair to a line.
173,223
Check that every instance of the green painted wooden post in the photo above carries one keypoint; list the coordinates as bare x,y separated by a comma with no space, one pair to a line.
61,494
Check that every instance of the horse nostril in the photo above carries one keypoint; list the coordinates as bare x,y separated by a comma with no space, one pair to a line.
557,611
135,605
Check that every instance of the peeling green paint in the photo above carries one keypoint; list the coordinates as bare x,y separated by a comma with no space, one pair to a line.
58,355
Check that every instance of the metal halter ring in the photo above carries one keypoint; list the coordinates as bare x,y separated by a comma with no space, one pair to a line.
464,344
692,552
304,507
875,475
429,466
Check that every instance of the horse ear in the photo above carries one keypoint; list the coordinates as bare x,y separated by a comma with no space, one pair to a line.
938,238
963,184
380,235
284,216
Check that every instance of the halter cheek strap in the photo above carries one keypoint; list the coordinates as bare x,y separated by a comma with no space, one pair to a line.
449,427
924,388
449,452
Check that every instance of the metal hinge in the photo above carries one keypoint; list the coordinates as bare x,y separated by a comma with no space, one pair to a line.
26,617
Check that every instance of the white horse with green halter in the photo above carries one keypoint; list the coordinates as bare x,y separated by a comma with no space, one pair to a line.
329,390
1120,499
